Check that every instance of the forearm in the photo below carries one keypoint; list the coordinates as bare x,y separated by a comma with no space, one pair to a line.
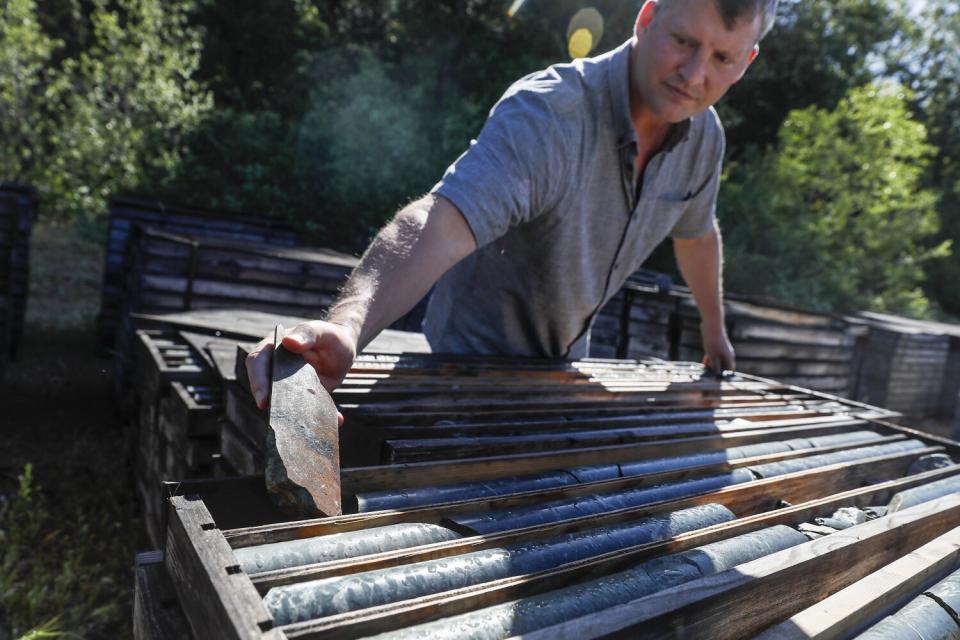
406,258
701,264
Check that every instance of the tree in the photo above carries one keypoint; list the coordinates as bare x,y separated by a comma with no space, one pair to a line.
110,118
27,87
817,51
132,101
932,71
835,215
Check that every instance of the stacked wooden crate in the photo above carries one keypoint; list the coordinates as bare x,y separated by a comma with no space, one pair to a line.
18,210
161,260
794,346
169,272
636,323
491,498
650,319
178,414
182,366
946,406
128,214
950,390
905,366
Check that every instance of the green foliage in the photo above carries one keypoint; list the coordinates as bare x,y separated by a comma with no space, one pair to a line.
106,120
57,563
835,216
131,102
363,151
238,161
27,83
932,72
818,50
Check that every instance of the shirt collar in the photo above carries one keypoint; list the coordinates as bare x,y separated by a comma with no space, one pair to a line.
618,83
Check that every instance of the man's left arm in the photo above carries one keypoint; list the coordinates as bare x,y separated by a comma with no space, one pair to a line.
701,263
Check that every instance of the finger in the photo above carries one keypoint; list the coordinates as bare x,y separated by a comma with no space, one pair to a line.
339,419
708,362
301,338
258,372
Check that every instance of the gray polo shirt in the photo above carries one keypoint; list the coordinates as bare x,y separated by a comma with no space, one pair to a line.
550,191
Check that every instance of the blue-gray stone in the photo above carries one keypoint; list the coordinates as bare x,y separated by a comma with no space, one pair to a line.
924,493
773,469
339,546
329,596
566,509
537,612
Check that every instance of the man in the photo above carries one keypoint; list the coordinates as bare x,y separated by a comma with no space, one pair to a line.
579,172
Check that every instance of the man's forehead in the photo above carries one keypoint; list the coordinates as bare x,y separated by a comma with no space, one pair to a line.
694,13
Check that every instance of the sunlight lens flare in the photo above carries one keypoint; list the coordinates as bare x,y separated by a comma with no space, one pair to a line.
580,44
584,32
512,11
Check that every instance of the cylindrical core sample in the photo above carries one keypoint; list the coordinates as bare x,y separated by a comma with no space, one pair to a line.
329,596
339,546
537,612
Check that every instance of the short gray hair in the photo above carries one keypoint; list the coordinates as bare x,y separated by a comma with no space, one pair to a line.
734,10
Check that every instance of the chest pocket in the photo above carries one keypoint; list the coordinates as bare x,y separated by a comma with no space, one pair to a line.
661,216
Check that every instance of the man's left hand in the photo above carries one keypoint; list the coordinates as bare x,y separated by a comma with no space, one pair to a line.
718,352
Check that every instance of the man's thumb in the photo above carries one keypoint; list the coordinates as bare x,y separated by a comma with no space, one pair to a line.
296,342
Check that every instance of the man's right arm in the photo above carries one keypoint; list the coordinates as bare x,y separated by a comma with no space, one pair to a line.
422,242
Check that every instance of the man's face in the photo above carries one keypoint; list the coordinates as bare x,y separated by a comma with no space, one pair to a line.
686,58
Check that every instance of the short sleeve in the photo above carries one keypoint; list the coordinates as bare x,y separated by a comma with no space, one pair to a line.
510,173
699,218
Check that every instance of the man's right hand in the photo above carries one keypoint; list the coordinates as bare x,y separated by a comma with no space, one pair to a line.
330,348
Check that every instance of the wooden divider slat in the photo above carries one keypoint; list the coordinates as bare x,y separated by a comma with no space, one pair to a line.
898,534
867,600
745,499
743,601
218,599
418,474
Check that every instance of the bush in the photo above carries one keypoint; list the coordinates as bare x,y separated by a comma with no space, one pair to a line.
835,217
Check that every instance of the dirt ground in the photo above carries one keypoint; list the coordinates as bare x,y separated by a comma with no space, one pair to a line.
56,413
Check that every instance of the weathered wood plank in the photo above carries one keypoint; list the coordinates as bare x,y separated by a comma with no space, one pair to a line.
415,474
218,599
853,608
741,602
748,498
156,612
835,483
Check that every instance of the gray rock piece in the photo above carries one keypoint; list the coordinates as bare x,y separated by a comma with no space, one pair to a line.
929,463
537,612
923,493
329,596
773,469
339,546
922,619
559,510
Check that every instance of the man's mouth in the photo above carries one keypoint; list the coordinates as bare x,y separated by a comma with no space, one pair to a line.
678,93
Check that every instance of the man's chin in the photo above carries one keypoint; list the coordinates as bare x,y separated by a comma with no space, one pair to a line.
677,115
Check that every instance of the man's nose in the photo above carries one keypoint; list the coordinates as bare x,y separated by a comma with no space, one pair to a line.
694,69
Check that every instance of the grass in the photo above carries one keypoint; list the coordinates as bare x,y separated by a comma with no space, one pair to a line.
68,521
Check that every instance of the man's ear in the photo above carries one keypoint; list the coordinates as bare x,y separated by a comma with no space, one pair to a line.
645,17
750,58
